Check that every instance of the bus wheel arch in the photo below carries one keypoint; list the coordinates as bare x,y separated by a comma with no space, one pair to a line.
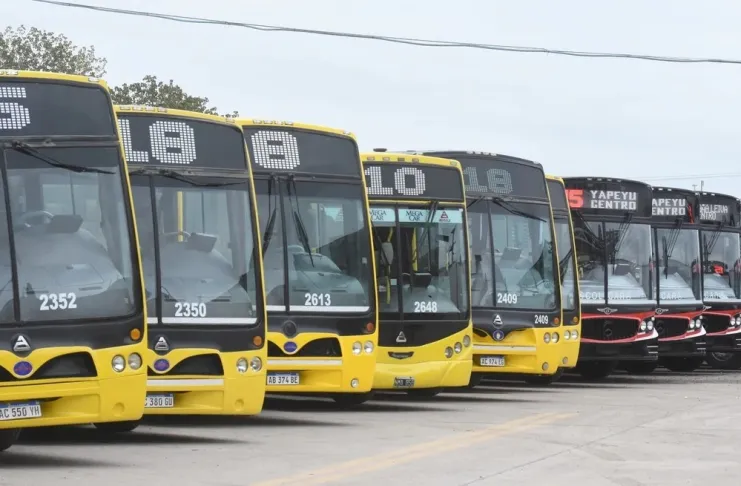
596,370
117,427
724,361
8,437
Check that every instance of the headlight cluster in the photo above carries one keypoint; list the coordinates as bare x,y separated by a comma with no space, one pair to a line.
735,321
552,337
255,364
696,324
358,347
457,347
118,363
647,325
573,335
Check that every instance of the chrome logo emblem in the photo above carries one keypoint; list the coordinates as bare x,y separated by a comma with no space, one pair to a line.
498,335
161,365
23,368
607,310
290,347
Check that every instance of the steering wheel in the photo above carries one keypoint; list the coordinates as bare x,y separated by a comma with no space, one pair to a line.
23,219
176,233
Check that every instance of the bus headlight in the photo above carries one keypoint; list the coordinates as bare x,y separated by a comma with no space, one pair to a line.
357,348
118,363
466,341
574,334
369,347
567,335
650,325
256,364
448,352
555,337
242,365
135,361
458,347
644,326
546,338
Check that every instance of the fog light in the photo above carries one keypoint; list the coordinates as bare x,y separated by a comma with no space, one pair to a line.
135,361
357,348
546,338
448,352
118,363
466,341
458,347
242,365
369,347
354,382
545,367
565,361
644,326
555,337
256,364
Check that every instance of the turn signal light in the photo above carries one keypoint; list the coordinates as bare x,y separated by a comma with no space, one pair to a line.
370,327
135,334
257,340
556,321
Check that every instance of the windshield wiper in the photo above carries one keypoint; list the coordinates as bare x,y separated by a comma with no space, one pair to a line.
302,234
669,244
474,201
171,174
621,232
507,206
425,229
271,219
26,149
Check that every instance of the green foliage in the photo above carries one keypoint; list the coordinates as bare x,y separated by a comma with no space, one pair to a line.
39,50
150,91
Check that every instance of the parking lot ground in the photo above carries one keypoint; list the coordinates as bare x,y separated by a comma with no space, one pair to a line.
661,429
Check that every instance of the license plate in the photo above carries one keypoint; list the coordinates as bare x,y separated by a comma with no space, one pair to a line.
283,379
166,400
403,382
20,411
492,361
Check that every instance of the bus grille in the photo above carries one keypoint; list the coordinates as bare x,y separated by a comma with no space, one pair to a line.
602,329
74,365
671,326
715,323
318,348
203,364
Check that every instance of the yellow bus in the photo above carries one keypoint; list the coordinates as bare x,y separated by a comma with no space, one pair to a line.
195,211
319,265
515,293
418,213
566,249
72,315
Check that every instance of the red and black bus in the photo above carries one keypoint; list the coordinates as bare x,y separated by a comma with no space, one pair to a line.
720,230
612,227
676,231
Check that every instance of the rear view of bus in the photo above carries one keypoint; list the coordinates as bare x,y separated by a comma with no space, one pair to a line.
676,224
612,226
565,246
319,268
720,227
73,322
515,294
418,212
196,217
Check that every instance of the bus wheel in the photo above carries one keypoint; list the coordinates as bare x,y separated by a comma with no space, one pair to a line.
724,361
8,437
544,380
682,365
640,367
475,380
424,392
596,370
350,400
117,427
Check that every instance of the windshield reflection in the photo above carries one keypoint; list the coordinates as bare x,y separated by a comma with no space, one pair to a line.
721,254
679,265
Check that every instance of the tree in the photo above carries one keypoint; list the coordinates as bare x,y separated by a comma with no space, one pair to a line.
39,50
150,91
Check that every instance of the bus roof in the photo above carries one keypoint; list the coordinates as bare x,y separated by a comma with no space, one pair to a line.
298,125
159,111
554,178
30,75
587,180
405,158
455,154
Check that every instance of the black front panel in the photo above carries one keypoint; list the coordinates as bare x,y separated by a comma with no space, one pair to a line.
296,324
488,321
395,181
416,333
286,150
609,197
671,205
177,142
54,108
719,208
224,339
669,327
607,329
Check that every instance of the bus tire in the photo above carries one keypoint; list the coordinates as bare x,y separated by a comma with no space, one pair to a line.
596,370
424,392
640,367
8,437
682,365
117,427
350,400
544,380
724,361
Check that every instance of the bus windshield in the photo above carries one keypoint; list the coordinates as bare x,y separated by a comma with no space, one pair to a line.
721,255
70,234
679,265
421,264
518,270
621,252
566,264
204,247
321,229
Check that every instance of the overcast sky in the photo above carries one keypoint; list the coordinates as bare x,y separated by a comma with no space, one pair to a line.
577,116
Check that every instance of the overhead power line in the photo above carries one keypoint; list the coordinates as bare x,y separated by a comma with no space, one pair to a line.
393,39
692,177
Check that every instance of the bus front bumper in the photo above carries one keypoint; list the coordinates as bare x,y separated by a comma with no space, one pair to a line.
517,359
321,375
690,345
638,350
451,373
206,395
